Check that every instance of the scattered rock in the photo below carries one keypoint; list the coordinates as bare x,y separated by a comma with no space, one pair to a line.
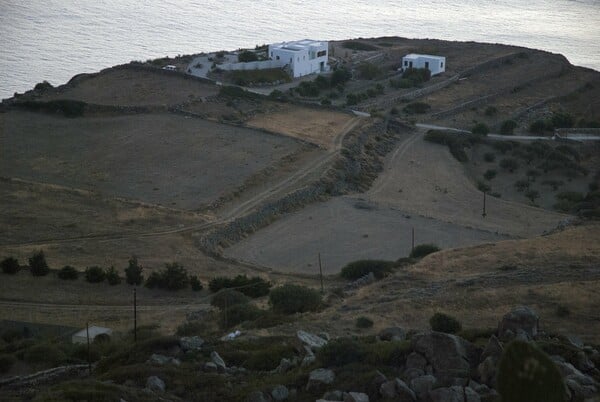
388,389
450,394
308,360
284,366
216,359
422,385
320,377
333,395
522,318
280,393
191,343
362,281
411,373
379,379
155,384
210,367
256,396
471,395
162,360
356,397
405,394
313,341
392,334
449,355
575,341
493,348
487,371
415,360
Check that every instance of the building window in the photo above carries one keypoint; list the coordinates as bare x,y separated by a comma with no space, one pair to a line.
442,64
321,53
405,63
271,54
277,57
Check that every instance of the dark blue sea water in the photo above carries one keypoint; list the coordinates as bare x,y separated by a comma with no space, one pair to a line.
56,39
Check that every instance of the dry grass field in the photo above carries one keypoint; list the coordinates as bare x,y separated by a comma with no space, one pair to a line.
157,158
319,127
123,87
479,284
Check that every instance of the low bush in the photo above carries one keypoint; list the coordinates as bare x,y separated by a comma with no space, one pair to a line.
555,184
340,76
237,314
522,185
340,352
562,311
489,157
480,129
532,195
571,196
6,363
417,108
247,56
247,77
69,108
45,353
562,120
490,111
422,250
510,164
195,283
253,287
268,358
391,353
364,322
112,276
358,269
455,142
95,274
38,265
10,265
308,89
68,273
133,272
401,83
490,174
483,187
173,277
226,298
441,322
416,75
538,127
508,127
368,71
290,299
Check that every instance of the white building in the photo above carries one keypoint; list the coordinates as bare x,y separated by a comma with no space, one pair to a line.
81,336
301,57
435,64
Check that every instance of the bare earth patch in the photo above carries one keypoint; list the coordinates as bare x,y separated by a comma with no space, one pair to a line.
319,127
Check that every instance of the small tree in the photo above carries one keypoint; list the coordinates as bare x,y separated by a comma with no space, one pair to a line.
489,174
444,323
532,174
532,195
10,265
112,276
38,265
94,274
68,273
508,127
247,56
290,299
537,127
480,129
195,283
510,164
133,273
422,250
489,157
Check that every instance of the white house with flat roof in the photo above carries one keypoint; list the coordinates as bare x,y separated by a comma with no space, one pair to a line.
93,331
435,64
302,57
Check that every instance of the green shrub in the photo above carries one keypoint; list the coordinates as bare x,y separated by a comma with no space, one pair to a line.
173,277
533,174
10,265
42,86
340,352
44,353
417,108
368,71
508,127
95,274
268,358
133,272
69,108
68,273
308,89
526,374
38,265
489,157
422,250
253,287
226,298
441,322
290,299
237,314
538,127
571,196
340,76
503,146
490,111
6,363
490,174
358,269
510,164
562,120
112,276
480,129
416,75
392,353
247,56
483,187
521,185
364,322
562,311
394,111
555,184
325,102
532,195
401,83
11,335
195,283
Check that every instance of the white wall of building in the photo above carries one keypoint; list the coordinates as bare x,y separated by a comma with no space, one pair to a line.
435,64
301,57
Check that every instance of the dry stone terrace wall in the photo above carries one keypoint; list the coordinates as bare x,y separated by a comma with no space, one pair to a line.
354,170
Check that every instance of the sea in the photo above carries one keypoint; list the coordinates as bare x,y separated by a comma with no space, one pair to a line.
53,40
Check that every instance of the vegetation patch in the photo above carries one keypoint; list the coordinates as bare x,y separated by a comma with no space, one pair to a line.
66,107
290,299
173,277
358,269
266,76
422,250
252,287
356,45
444,323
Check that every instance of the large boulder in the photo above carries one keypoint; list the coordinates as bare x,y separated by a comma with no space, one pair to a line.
320,377
392,334
403,392
520,319
313,341
356,397
280,393
422,385
493,348
450,394
256,396
415,360
218,360
188,343
471,395
449,355
155,384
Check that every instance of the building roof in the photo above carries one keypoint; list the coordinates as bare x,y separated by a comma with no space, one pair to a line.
416,56
94,332
298,45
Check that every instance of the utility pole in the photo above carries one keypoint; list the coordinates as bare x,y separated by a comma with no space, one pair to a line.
412,247
321,273
484,213
87,332
134,315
